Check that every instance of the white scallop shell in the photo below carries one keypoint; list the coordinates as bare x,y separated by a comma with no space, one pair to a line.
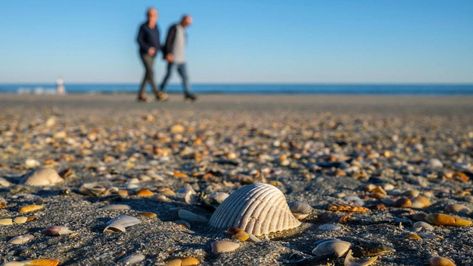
258,209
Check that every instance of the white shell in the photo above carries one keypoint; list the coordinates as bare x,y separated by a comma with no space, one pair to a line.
133,259
22,239
43,177
331,247
121,223
57,230
258,209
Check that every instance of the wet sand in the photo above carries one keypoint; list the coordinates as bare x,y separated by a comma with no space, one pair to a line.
378,152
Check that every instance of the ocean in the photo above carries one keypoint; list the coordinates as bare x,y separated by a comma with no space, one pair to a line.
361,89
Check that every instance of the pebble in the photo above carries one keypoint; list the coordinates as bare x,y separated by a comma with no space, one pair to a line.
224,246
435,163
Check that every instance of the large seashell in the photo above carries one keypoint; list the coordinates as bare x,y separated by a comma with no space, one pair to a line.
258,209
331,248
120,223
43,177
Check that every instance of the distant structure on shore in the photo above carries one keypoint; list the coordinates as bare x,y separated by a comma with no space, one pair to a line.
60,88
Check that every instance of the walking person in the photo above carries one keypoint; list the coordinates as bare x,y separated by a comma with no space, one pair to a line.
149,42
174,54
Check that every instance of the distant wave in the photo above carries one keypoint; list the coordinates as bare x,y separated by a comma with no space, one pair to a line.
367,89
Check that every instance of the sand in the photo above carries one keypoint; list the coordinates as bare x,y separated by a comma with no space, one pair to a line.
322,150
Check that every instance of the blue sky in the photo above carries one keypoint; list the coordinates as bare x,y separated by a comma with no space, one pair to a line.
244,41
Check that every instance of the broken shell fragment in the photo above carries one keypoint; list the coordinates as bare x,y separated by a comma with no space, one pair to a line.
42,177
445,219
57,230
120,223
36,262
20,220
31,208
347,208
191,217
441,261
6,221
331,248
258,209
133,259
224,246
352,261
93,189
22,239
116,207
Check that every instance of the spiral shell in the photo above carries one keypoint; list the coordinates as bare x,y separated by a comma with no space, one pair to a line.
258,209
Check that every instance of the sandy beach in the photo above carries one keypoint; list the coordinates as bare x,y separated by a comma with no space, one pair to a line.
391,175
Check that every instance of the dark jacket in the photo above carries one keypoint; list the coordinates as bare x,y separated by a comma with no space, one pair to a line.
170,39
148,38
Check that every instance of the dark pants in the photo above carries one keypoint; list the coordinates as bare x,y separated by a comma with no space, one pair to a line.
182,71
148,62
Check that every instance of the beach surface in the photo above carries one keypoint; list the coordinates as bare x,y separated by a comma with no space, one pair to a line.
391,175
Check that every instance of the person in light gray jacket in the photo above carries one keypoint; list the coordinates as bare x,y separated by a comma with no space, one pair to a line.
174,54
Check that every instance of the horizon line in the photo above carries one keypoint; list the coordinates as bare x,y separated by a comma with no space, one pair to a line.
248,83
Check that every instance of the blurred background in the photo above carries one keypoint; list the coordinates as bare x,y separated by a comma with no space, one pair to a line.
266,46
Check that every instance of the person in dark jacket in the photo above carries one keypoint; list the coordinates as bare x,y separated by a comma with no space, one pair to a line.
149,42
174,54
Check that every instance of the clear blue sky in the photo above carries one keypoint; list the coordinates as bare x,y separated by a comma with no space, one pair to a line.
304,41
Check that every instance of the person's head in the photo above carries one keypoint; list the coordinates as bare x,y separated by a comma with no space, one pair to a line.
186,20
152,15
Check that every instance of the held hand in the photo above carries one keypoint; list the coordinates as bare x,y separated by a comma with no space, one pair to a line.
151,51
170,58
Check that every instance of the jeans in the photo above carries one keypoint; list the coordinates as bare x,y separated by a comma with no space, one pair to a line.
148,62
182,71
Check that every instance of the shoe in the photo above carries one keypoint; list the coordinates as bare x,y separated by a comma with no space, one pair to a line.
142,99
162,96
190,97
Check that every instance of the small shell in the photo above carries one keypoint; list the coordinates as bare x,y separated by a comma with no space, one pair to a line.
219,197
191,217
187,194
352,261
19,240
116,207
258,209
300,209
57,230
6,221
30,208
120,223
421,202
133,259
422,226
94,189
43,177
36,262
145,193
445,219
441,261
20,220
223,246
331,247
